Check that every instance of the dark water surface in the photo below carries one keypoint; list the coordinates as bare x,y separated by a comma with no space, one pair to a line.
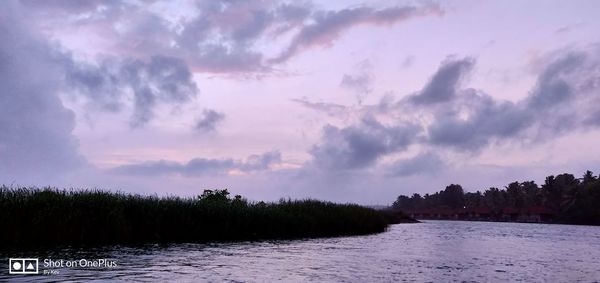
433,251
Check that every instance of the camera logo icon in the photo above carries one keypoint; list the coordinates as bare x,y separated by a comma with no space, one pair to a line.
23,266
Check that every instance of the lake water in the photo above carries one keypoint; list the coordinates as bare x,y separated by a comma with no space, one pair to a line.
433,251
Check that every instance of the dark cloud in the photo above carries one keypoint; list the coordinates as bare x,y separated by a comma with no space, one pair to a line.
202,166
421,163
553,86
36,141
101,84
477,121
209,120
473,119
327,26
444,84
361,145
445,116
560,98
161,79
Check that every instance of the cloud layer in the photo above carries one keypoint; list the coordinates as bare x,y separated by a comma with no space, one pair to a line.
202,166
223,36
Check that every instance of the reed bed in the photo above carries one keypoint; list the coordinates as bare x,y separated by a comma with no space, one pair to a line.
31,216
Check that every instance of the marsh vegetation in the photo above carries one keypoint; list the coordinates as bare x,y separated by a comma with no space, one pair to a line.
58,217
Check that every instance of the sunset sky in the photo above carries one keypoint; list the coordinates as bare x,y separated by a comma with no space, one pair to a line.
347,101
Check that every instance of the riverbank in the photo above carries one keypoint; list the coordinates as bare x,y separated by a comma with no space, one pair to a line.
56,217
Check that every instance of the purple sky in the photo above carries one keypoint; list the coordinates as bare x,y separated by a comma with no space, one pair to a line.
338,100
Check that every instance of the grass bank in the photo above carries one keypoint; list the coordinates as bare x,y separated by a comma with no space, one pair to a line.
32,216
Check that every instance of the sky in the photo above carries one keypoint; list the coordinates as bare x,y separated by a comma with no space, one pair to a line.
347,101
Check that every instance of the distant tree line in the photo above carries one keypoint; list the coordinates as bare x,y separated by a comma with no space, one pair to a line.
574,200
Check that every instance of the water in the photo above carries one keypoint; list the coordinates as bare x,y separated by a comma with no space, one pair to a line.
433,251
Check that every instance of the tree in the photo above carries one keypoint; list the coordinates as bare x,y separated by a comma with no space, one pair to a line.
516,196
214,197
452,196
402,202
533,196
416,200
588,177
494,199
474,199
556,189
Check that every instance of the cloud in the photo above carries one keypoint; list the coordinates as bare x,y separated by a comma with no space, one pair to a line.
214,36
37,144
260,162
209,120
564,92
552,86
558,104
475,121
427,162
36,141
66,6
161,79
570,27
361,145
243,25
331,109
360,82
445,116
444,84
593,119
329,25
408,61
223,34
202,166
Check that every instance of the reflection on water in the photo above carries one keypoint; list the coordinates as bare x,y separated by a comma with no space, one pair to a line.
436,251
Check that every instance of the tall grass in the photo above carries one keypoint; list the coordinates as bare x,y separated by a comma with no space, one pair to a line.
30,216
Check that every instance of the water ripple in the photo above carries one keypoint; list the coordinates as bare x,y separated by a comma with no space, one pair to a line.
434,251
